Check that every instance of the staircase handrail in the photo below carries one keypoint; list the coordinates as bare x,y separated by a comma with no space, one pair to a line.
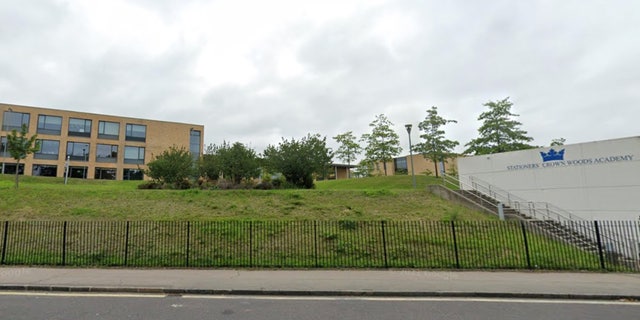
534,209
451,183
544,210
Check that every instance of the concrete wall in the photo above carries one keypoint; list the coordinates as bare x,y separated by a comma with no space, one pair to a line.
595,180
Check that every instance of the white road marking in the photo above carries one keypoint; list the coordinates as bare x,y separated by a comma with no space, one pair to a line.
416,299
81,294
317,298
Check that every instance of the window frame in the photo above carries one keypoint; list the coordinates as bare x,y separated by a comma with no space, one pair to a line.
43,123
9,127
109,159
47,156
101,129
86,153
130,132
137,160
85,133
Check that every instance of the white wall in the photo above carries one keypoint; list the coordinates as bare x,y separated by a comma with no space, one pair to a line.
595,180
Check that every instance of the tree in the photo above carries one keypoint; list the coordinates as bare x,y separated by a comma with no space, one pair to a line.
235,162
209,164
382,143
558,142
20,146
499,131
173,166
298,160
435,147
348,149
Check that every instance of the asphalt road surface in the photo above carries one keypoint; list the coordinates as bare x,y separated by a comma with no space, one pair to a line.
26,305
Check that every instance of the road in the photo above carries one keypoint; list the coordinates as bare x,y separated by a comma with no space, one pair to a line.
26,305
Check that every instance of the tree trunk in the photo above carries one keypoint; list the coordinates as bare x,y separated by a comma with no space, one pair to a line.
435,165
384,165
17,172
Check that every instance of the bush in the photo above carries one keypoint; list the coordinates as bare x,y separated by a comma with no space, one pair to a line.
150,185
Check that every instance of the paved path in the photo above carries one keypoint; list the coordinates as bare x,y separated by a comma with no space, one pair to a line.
327,282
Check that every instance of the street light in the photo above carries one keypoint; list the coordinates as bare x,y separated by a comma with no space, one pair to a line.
84,165
413,175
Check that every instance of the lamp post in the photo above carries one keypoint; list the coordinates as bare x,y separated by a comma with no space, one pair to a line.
413,175
66,169
84,165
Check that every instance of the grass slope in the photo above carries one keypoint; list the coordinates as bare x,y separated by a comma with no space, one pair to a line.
377,198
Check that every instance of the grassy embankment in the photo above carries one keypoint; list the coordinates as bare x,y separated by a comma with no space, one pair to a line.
378,198
336,225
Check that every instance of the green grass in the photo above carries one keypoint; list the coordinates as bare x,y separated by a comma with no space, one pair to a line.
292,244
377,198
338,224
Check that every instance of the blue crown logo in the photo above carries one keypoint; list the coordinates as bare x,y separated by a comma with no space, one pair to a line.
552,155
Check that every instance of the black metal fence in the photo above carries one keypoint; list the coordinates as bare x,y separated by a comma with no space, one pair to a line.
321,244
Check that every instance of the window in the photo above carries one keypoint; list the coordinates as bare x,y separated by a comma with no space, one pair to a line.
44,170
78,172
4,152
401,165
134,155
79,127
106,153
49,124
194,143
132,174
78,151
136,132
10,168
49,149
105,173
14,120
108,130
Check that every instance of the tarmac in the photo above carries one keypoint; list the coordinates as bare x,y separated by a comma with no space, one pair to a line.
392,283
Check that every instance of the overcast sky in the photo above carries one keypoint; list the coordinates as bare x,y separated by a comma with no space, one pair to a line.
255,71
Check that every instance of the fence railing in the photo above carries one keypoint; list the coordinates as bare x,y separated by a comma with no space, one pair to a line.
310,244
543,211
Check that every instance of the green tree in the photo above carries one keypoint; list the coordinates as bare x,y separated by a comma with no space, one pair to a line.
558,142
173,166
20,146
499,132
434,145
382,143
348,149
209,165
235,162
298,160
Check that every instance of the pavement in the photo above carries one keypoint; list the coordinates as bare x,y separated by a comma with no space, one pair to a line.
405,283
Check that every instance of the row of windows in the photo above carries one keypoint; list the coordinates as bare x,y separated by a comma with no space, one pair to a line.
52,125
81,151
74,171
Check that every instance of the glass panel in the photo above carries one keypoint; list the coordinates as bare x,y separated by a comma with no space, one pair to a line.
194,142
134,155
49,124
78,151
3,147
79,127
136,132
14,120
44,170
106,153
108,130
105,173
49,149
132,174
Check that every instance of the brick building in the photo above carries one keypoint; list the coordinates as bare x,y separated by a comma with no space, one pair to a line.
96,146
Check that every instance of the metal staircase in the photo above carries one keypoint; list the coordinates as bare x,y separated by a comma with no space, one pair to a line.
546,218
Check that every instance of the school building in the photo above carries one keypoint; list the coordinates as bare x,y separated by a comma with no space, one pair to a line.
93,146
